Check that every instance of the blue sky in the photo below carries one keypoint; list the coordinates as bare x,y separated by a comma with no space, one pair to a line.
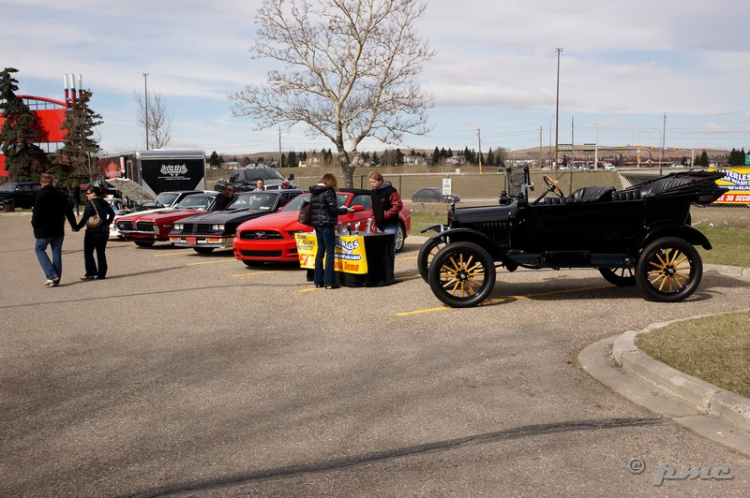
624,66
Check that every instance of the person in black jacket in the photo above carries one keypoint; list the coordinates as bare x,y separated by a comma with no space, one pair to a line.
95,238
225,198
386,204
51,207
325,214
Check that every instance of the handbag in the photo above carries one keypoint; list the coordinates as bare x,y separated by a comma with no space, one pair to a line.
305,214
94,221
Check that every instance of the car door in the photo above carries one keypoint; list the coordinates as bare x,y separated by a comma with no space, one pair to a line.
360,217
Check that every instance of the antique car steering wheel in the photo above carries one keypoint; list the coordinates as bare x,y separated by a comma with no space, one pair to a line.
553,186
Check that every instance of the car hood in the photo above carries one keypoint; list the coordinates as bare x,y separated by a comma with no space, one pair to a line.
276,221
217,217
167,215
135,192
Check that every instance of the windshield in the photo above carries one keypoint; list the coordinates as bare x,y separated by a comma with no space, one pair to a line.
296,203
196,202
252,174
8,187
257,201
167,198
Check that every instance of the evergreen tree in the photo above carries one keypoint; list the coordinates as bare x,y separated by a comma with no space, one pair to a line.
292,161
76,163
214,160
702,160
20,134
435,157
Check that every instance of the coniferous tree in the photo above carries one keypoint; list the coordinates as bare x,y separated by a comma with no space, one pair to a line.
20,134
76,162
214,160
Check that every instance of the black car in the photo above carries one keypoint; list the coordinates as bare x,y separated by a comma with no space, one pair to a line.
246,179
637,236
22,194
434,194
216,229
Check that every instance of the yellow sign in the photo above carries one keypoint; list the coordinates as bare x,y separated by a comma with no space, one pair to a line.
350,256
737,180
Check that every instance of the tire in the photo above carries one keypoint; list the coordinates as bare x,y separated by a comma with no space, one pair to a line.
203,250
427,254
400,237
462,275
669,270
144,243
621,277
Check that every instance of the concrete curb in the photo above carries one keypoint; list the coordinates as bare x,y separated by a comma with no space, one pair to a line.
714,413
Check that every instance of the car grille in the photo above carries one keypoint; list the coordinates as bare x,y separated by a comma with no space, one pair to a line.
261,254
260,235
125,225
144,226
196,228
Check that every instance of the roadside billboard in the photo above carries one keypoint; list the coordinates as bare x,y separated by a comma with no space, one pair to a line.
737,180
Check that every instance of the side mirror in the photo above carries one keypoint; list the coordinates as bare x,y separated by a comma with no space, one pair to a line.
358,208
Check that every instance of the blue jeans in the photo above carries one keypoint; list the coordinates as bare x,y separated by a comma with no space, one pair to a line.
52,269
394,230
326,237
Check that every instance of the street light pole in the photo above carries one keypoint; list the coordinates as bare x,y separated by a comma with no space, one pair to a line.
145,104
557,106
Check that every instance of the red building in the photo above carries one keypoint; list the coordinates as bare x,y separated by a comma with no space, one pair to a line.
51,114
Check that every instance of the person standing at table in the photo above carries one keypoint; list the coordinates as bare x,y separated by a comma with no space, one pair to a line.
386,204
325,213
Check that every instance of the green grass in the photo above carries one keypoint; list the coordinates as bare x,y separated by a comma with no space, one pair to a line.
420,221
730,246
715,349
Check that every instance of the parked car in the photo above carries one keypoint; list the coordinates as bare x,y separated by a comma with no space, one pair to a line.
143,201
271,239
22,194
245,179
434,194
638,236
145,228
216,230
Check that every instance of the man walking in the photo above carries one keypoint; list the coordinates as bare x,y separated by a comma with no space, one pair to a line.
386,204
51,207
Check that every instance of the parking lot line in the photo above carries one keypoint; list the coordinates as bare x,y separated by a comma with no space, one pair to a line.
255,273
213,262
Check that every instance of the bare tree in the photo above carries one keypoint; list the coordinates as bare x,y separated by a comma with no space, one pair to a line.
350,69
158,120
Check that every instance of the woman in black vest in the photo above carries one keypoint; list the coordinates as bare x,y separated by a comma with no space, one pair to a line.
95,238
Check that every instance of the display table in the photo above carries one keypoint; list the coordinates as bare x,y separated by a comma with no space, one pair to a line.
364,260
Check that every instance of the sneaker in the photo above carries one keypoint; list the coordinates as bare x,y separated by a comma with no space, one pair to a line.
86,277
55,281
49,282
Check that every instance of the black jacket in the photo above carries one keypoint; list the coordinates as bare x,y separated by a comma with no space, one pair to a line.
386,205
323,206
51,207
105,212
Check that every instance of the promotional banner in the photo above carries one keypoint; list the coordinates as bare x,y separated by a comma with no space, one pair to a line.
736,180
350,256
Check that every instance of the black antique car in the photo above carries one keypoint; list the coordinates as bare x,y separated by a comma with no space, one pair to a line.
637,236
216,229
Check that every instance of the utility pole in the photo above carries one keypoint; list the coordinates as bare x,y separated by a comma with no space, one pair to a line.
557,106
280,153
145,104
479,137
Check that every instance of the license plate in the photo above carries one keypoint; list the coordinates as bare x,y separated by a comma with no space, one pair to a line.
191,241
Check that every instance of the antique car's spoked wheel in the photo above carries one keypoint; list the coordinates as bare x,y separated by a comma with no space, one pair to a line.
669,270
462,274
427,253
553,186
621,277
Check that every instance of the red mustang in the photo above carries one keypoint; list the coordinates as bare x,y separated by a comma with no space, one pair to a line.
271,238
146,228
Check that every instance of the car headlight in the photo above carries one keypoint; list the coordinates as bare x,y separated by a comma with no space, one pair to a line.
178,226
217,228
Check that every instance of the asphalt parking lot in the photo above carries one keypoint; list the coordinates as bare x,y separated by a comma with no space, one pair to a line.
191,375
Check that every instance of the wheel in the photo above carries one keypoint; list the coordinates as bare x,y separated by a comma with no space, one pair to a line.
252,264
462,274
144,243
427,253
203,250
553,186
400,237
669,270
621,277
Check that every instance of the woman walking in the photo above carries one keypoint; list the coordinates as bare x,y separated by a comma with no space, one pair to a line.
96,237
325,214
